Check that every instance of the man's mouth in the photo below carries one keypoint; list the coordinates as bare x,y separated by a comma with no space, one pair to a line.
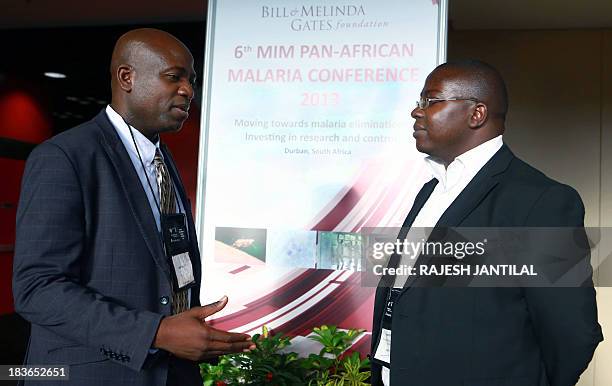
183,107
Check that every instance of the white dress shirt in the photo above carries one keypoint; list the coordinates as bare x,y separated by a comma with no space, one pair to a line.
451,182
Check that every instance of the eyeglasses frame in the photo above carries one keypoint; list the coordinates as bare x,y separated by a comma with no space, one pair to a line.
436,100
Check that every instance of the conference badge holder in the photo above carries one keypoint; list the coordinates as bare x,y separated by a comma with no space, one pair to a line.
382,354
176,243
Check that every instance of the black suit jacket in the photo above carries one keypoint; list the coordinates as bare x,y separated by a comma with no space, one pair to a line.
494,336
90,273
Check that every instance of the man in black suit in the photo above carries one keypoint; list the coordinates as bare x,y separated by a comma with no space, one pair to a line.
481,336
106,294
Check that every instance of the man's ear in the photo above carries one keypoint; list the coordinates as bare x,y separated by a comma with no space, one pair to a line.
125,77
479,116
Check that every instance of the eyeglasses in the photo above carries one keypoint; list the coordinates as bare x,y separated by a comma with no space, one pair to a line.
425,102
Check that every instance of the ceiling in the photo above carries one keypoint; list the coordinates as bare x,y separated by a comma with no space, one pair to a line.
464,14
64,13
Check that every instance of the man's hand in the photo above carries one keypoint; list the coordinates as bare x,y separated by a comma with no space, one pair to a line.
187,336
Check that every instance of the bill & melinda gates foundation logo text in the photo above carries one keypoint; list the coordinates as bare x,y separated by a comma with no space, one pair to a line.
321,17
313,11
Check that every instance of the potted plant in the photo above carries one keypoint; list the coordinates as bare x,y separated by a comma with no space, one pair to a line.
271,362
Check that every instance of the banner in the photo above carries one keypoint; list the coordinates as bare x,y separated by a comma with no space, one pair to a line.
308,138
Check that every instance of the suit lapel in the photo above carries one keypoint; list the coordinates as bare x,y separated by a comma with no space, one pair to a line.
133,190
478,188
387,281
471,196
418,204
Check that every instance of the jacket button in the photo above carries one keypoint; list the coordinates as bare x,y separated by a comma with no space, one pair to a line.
164,300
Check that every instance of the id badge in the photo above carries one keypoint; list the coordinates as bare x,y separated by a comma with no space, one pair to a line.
382,354
176,244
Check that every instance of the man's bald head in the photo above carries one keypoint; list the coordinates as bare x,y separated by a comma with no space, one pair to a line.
477,79
152,80
139,46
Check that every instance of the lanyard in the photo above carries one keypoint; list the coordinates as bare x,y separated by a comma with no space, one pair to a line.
144,169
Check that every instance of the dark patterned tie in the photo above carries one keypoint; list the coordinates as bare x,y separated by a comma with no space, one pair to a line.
167,203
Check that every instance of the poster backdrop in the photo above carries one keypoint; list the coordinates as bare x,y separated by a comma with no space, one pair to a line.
308,139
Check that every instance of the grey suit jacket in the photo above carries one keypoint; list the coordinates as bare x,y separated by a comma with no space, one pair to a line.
89,271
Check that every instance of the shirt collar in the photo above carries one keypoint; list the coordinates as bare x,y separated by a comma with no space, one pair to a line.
147,148
466,165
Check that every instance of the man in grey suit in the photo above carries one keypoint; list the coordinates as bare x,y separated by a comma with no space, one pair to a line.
92,272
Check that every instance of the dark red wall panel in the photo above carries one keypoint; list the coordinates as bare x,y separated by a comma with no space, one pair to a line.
11,172
184,147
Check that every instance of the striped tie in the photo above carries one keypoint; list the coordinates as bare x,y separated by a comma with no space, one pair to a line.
167,203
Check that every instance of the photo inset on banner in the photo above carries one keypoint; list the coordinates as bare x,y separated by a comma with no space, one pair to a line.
291,248
240,245
339,250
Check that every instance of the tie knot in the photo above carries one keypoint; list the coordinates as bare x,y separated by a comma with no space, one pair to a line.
158,159
164,184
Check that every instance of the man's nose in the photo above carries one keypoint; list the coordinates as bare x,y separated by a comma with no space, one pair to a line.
186,90
417,112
